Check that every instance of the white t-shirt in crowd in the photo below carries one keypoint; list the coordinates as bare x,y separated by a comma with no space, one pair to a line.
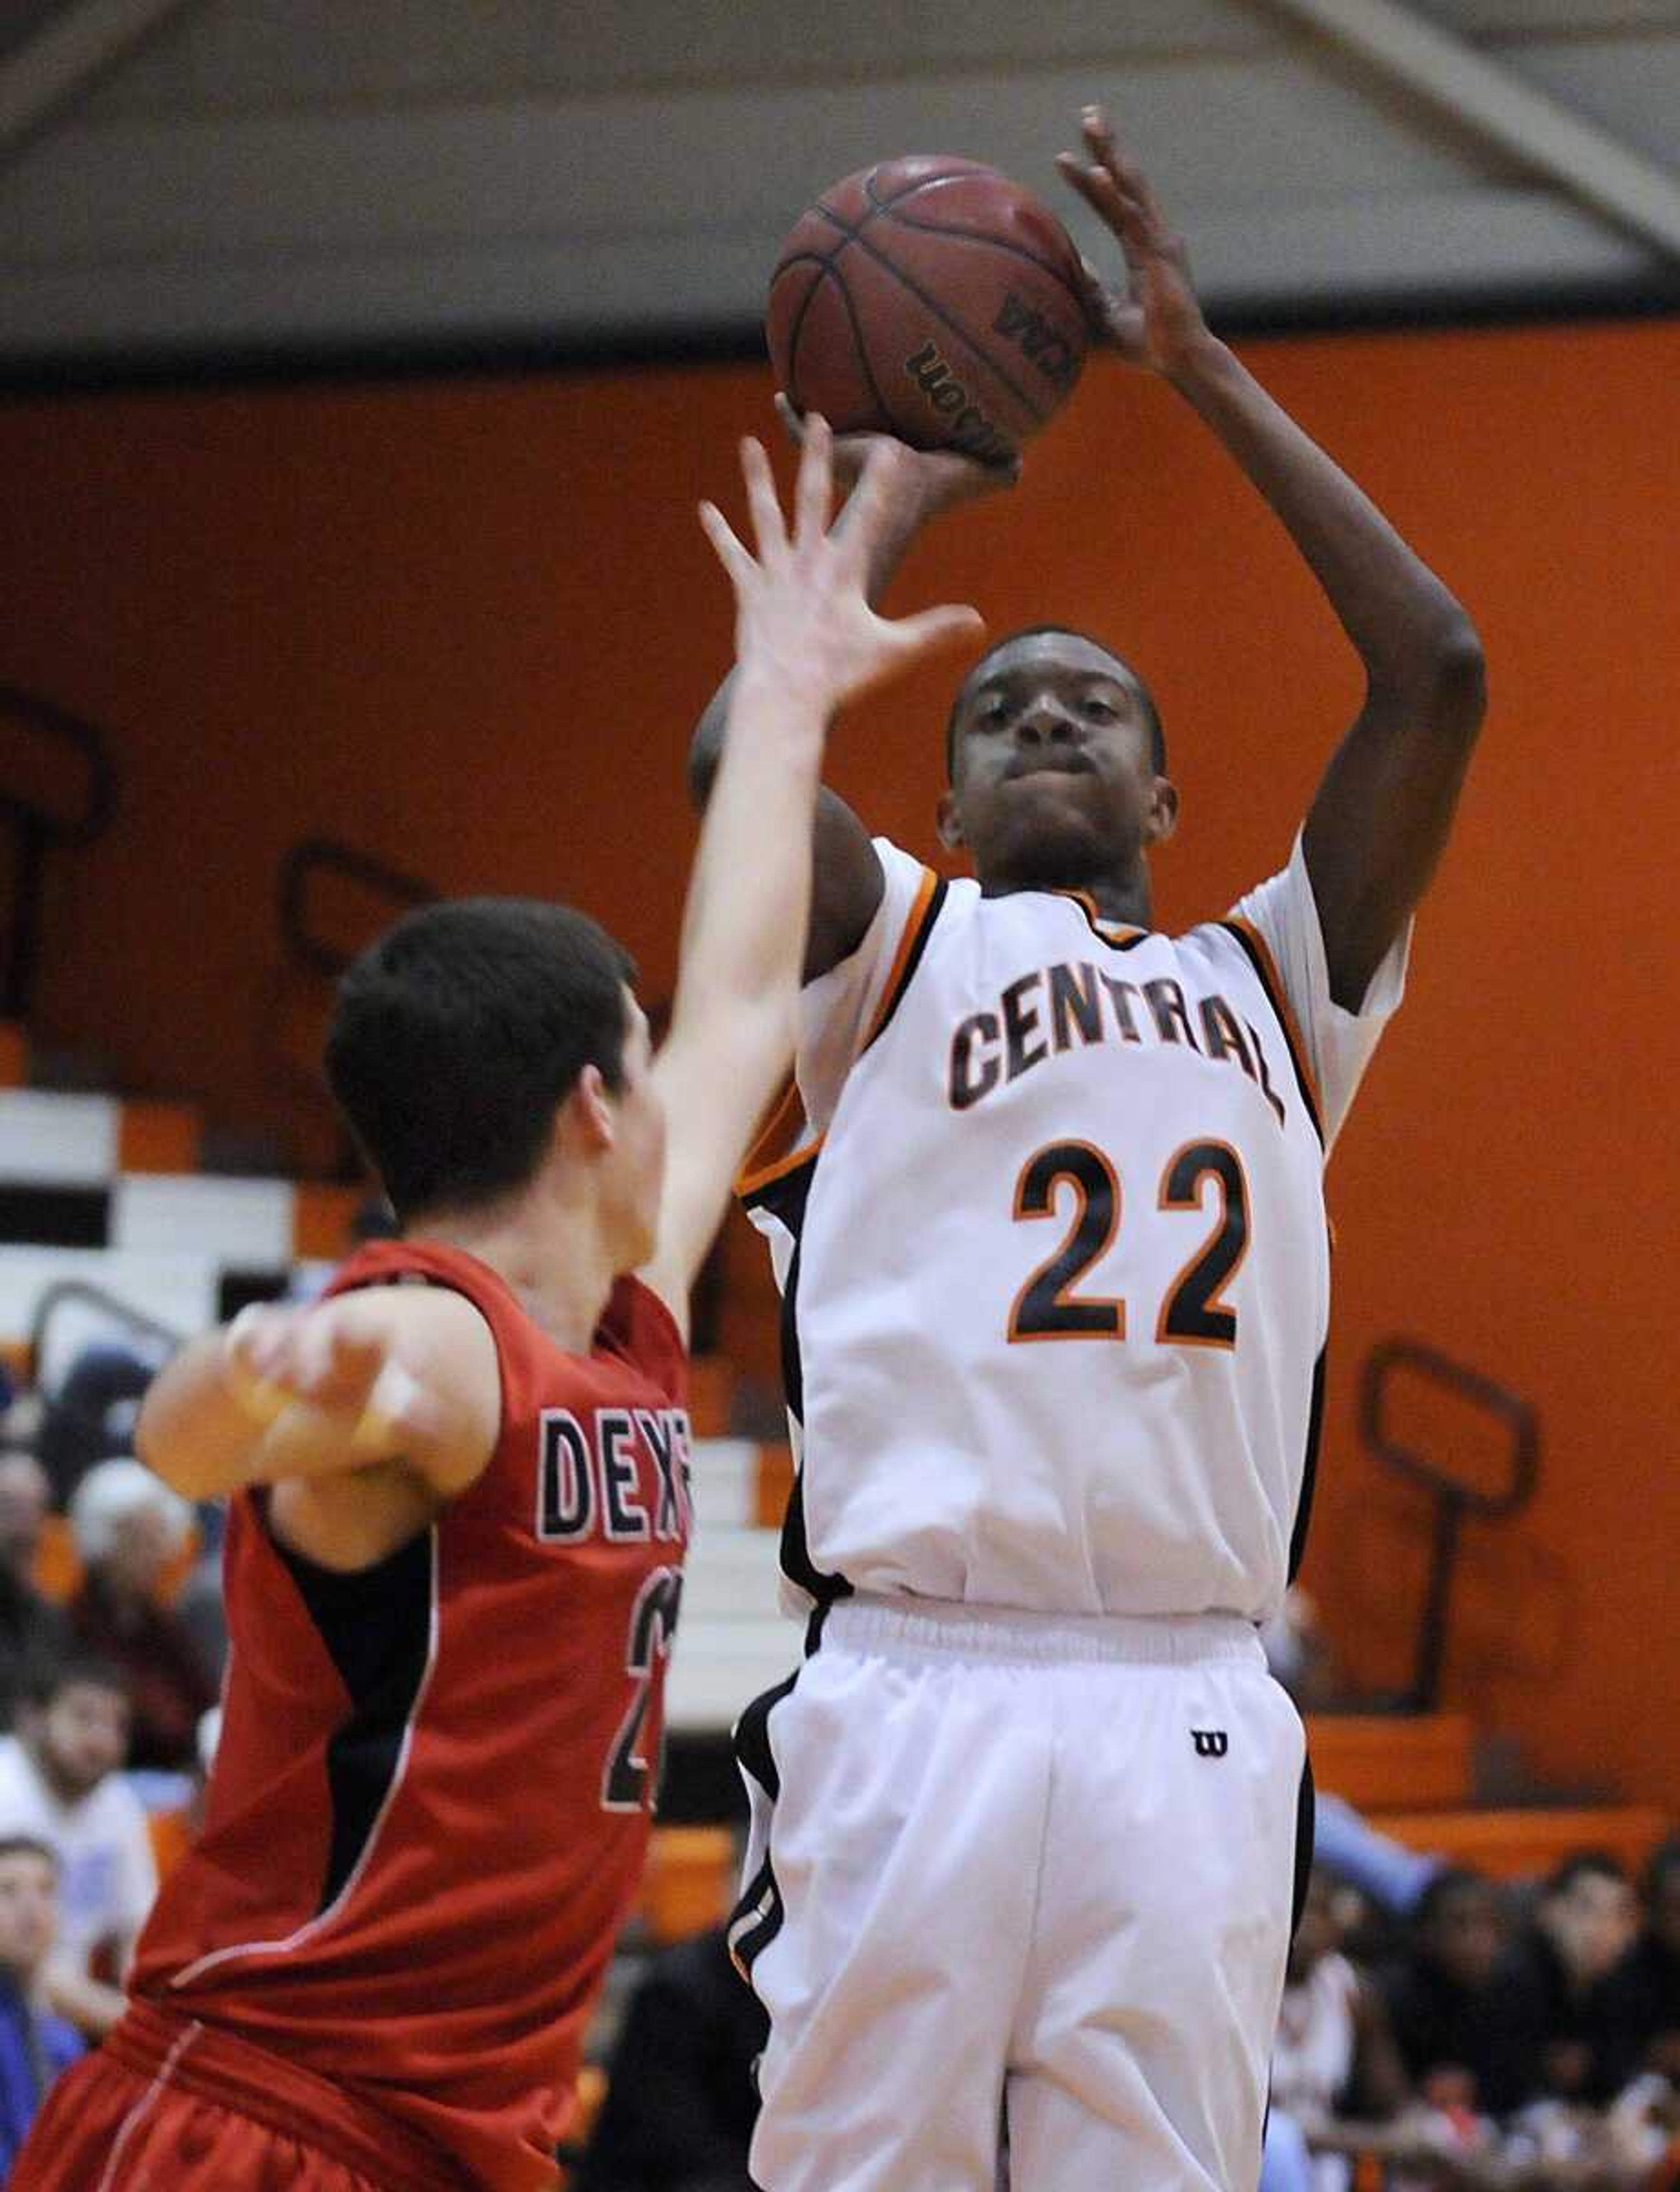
108,1876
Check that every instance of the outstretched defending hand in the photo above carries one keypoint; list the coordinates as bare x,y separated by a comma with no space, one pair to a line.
803,619
1157,321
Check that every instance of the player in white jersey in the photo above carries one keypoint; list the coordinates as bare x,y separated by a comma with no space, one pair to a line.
1047,1209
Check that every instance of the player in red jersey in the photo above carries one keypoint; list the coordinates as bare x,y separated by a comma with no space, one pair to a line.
459,1492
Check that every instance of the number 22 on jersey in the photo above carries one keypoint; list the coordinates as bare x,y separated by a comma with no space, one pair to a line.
1195,1312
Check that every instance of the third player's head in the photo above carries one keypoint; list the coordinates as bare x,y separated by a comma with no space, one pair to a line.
484,1049
1057,765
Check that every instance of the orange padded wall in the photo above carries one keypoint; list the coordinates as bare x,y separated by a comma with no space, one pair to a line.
468,626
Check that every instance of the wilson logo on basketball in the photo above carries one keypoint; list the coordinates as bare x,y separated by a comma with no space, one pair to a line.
1033,334
971,431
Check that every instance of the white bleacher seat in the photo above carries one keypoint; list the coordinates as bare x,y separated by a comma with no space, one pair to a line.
240,1221
733,1640
68,1141
725,1482
731,1575
179,1291
718,1668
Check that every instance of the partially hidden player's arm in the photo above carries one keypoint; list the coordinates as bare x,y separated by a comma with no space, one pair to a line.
385,1379
847,879
806,640
1381,816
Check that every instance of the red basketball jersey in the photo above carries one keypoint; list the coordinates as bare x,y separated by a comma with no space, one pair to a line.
429,1806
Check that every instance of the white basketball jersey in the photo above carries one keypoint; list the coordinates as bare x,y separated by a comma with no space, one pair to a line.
1052,1240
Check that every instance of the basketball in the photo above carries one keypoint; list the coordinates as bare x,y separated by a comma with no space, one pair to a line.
932,299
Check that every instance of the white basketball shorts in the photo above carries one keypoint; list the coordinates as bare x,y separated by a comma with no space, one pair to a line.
1018,1896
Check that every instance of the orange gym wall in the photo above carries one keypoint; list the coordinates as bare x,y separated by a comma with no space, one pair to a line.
468,626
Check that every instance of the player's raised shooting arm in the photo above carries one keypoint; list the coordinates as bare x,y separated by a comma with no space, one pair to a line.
1381,816
806,640
386,1375
847,879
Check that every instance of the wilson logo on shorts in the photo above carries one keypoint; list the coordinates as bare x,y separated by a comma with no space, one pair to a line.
1210,1742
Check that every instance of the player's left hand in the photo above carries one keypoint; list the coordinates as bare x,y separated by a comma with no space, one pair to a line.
1157,322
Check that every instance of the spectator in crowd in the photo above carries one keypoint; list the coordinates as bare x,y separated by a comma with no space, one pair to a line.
1642,1996
1443,2008
678,2115
199,1607
92,1412
35,2045
32,1632
129,1526
1555,2014
1334,2067
59,1782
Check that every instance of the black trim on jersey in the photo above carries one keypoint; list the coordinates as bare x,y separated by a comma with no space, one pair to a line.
756,1919
753,1754
786,1199
1281,1013
1306,1811
907,974
1309,1470
376,1624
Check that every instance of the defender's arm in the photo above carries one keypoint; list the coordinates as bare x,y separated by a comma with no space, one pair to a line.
806,640
392,1376
846,880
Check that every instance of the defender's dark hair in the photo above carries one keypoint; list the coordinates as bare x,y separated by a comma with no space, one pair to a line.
457,1032
1158,742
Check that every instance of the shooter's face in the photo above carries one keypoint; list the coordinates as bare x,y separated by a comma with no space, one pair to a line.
1053,779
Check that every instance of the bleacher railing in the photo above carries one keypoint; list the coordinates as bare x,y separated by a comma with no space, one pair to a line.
1456,1500
302,868
37,828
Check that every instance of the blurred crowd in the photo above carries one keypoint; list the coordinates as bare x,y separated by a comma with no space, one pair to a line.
1440,2029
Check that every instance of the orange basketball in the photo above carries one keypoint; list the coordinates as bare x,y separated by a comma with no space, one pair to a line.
932,299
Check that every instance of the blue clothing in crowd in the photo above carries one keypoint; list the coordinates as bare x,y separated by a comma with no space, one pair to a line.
34,2047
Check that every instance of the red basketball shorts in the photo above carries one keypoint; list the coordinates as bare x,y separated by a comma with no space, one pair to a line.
167,2107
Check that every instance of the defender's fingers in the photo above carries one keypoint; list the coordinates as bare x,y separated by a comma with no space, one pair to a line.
935,628
814,495
866,509
769,531
730,554
792,425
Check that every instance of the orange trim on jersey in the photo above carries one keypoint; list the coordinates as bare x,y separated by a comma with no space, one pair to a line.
779,1149
1272,983
914,922
1109,931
